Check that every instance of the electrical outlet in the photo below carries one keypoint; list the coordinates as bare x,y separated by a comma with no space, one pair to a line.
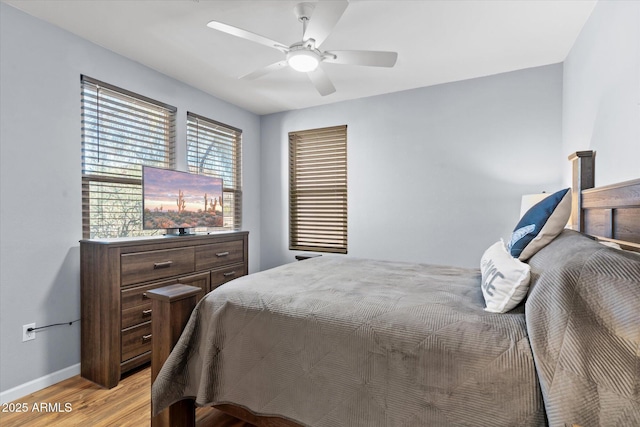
28,335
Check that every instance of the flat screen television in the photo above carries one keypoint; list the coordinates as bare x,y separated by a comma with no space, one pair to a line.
176,200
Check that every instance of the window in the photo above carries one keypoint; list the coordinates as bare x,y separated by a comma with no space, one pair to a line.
318,190
121,131
215,149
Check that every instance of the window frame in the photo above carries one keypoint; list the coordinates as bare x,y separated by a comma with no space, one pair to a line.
220,137
318,192
103,134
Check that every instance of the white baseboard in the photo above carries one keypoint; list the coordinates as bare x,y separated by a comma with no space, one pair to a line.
39,383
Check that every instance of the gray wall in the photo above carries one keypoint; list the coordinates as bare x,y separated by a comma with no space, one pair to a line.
434,174
41,181
601,96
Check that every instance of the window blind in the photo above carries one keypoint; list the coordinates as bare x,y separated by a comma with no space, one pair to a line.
121,131
318,190
215,149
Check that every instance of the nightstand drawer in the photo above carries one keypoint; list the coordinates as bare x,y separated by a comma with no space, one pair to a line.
144,266
136,340
219,254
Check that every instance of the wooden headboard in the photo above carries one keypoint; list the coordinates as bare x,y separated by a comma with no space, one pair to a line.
611,212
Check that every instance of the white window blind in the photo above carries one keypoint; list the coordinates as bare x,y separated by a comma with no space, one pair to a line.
121,131
215,149
318,190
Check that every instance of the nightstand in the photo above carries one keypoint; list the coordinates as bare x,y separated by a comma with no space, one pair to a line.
303,257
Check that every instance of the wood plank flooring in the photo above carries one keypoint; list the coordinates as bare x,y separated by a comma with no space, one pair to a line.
79,402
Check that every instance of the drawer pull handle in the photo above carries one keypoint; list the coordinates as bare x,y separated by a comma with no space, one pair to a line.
164,264
145,296
146,313
231,273
221,254
146,338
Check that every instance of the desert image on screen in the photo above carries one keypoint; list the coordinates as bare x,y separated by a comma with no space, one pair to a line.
174,199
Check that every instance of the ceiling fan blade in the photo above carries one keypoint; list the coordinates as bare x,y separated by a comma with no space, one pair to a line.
262,71
362,57
325,16
321,81
247,35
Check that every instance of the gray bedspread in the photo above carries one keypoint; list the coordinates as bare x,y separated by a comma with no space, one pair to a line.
583,318
338,341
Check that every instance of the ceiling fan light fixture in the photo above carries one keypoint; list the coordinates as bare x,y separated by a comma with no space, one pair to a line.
303,60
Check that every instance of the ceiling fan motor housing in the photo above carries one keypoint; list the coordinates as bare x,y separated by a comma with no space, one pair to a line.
304,11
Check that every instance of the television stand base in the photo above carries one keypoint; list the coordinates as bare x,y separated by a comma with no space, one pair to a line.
181,232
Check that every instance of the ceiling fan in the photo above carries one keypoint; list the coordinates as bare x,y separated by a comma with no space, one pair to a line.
305,55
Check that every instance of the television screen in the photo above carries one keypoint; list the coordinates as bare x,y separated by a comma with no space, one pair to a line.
174,199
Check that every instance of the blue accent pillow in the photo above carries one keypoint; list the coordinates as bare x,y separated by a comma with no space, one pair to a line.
540,225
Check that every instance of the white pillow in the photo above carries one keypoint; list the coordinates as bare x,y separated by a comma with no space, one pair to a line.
505,279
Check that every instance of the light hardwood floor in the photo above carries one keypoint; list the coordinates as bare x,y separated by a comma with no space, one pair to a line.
79,402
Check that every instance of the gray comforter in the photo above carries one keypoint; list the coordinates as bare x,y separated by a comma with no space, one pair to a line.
583,318
336,341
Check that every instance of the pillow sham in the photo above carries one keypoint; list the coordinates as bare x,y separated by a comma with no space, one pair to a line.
505,279
540,225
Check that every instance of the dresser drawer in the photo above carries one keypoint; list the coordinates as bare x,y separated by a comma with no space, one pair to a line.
219,254
224,275
134,297
136,315
135,341
144,266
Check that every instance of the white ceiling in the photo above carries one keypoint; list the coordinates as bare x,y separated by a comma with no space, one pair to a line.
437,41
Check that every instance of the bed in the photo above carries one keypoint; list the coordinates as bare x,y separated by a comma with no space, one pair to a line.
333,341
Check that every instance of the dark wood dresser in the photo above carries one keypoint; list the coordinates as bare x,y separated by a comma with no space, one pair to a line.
116,273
